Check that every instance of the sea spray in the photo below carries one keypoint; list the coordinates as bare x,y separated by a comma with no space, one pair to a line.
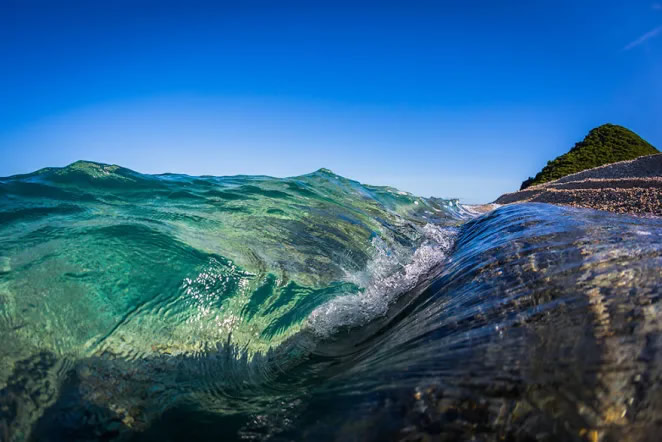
387,276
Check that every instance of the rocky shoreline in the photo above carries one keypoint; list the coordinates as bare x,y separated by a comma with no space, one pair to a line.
633,187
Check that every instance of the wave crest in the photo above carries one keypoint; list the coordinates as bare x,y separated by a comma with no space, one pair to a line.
387,276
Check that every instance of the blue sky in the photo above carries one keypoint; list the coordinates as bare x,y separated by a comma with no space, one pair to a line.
454,99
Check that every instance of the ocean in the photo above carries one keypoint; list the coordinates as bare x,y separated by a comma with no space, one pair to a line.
174,307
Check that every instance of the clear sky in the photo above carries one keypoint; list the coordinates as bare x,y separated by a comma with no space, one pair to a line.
447,98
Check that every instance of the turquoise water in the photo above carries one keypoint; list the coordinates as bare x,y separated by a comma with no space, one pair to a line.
171,307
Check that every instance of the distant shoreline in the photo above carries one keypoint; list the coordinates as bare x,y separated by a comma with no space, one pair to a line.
633,187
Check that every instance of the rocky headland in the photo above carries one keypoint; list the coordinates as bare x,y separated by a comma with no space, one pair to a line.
633,187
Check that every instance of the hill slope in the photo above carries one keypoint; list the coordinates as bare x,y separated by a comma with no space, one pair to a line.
633,186
606,144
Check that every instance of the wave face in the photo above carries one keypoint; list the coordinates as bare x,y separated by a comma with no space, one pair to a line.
171,307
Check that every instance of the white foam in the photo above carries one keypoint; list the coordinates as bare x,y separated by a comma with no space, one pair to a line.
479,209
389,274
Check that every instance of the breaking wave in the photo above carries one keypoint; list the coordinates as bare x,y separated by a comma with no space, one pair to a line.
171,307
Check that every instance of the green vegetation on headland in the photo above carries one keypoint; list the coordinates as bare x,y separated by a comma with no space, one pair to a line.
606,144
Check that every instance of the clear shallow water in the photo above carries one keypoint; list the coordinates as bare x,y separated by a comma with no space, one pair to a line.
138,307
